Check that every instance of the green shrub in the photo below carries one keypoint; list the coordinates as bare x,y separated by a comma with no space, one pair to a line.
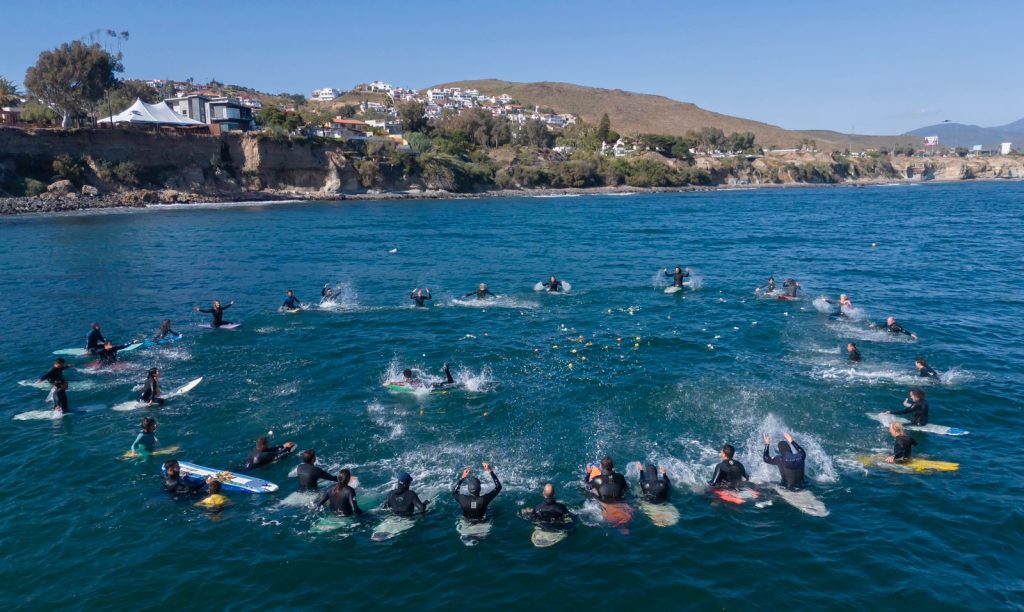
34,187
127,172
68,167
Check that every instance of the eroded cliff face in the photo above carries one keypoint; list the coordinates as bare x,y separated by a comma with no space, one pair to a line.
306,167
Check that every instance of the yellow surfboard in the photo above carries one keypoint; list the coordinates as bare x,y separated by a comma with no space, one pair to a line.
160,452
917,465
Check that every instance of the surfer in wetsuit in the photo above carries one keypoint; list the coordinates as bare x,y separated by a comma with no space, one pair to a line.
341,497
609,485
893,327
56,373
151,389
175,484
420,297
853,352
550,511
553,285
916,406
474,505
146,440
291,302
60,396
94,341
790,286
165,331
903,445
923,369
310,474
327,293
770,287
679,274
218,312
655,488
108,354
403,501
409,380
729,473
265,454
481,292
791,464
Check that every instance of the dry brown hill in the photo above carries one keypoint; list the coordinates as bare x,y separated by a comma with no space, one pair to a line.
633,113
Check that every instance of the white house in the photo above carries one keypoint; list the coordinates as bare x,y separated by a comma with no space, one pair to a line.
326,94
1004,148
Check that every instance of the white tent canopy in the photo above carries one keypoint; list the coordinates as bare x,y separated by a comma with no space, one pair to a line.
151,114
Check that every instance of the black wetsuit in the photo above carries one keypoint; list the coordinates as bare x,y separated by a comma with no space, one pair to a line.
310,476
791,465
895,328
728,474
327,292
901,450
151,392
218,315
481,294
163,333
403,501
341,499
420,299
555,286
790,286
607,487
60,399
179,486
927,372
677,277
258,458
655,492
854,355
109,355
55,374
292,303
550,512
94,341
918,412
474,506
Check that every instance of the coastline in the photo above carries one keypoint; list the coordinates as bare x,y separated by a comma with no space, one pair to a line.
126,201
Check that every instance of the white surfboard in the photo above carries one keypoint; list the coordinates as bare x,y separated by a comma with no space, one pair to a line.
391,527
673,289
662,515
803,500
40,415
543,537
942,430
182,390
332,523
472,532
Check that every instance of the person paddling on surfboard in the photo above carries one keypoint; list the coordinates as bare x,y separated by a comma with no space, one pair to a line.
474,505
420,297
895,328
655,488
291,302
853,352
165,331
146,440
410,380
550,512
151,389
175,485
403,501
606,484
903,445
923,369
553,285
218,313
916,406
341,497
108,354
729,473
94,341
790,463
310,474
265,454
676,275
481,292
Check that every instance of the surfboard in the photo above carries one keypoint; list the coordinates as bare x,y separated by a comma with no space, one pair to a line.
472,532
225,326
942,430
662,515
182,390
230,481
566,287
77,385
332,523
914,465
735,496
55,415
400,388
543,537
71,352
673,289
391,527
150,343
803,500
143,454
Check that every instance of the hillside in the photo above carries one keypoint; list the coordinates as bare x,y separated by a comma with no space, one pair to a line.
964,135
632,113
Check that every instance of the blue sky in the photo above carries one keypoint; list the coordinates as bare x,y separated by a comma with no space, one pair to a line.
871,66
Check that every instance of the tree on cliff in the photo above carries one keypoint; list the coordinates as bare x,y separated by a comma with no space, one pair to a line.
411,114
73,78
605,133
9,94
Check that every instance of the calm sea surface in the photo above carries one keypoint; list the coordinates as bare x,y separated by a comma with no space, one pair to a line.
547,383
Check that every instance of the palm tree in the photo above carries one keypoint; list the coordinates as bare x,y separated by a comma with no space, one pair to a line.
9,94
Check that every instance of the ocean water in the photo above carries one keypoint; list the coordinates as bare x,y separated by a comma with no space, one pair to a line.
547,383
